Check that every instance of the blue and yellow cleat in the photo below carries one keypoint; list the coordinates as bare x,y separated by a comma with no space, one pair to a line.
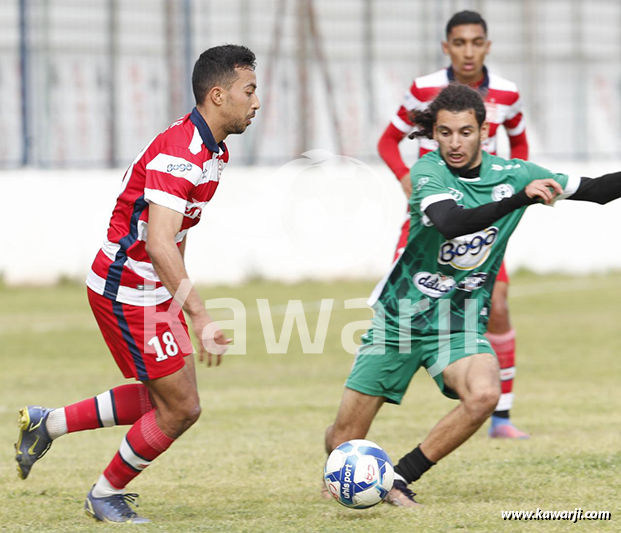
33,441
113,508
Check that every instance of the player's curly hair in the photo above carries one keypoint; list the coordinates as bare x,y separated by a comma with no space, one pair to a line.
216,67
454,98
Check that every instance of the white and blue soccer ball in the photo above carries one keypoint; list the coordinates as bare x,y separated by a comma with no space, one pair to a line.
359,474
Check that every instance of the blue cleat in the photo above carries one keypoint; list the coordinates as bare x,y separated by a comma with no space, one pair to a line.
33,441
113,508
503,428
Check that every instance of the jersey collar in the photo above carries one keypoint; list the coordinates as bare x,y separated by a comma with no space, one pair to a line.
469,175
482,86
205,133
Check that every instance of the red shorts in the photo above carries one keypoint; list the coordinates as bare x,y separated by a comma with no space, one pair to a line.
502,274
144,345
403,242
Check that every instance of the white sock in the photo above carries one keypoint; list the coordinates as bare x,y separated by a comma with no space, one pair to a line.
103,488
56,423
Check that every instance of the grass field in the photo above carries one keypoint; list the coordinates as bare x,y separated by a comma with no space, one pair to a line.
253,462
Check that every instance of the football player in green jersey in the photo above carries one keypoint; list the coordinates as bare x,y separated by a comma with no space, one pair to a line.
432,308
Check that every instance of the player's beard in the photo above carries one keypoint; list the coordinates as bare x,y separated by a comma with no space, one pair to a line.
469,164
233,124
236,127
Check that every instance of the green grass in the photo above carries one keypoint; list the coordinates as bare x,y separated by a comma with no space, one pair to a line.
253,462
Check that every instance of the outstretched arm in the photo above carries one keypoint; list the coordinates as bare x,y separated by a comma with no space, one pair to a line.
599,190
453,221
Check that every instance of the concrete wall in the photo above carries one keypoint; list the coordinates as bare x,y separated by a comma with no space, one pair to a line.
300,221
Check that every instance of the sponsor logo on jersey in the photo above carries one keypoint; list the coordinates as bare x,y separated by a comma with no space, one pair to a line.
504,190
180,167
434,285
473,282
468,251
458,195
421,183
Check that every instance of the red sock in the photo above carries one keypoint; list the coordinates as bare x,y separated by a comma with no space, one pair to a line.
120,406
504,346
142,444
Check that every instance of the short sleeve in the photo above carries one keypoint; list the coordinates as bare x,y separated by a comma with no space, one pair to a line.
410,102
569,184
171,176
514,122
428,187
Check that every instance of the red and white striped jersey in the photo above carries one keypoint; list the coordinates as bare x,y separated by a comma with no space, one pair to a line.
502,103
180,169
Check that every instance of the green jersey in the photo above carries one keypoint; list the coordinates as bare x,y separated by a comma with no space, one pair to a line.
435,278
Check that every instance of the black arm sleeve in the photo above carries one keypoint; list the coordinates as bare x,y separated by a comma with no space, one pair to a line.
600,190
453,221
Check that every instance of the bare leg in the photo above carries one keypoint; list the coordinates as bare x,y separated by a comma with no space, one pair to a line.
476,380
353,419
499,320
176,400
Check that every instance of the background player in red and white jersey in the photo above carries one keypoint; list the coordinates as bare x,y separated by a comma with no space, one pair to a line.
130,288
467,45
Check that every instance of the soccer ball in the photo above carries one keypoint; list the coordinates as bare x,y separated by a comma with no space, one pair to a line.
359,474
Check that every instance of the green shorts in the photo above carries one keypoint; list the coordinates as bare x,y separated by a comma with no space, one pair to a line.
386,369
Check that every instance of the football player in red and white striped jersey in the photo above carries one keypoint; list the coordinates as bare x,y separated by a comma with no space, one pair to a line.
132,282
467,45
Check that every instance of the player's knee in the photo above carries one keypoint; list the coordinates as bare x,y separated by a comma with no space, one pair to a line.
181,417
481,404
190,413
